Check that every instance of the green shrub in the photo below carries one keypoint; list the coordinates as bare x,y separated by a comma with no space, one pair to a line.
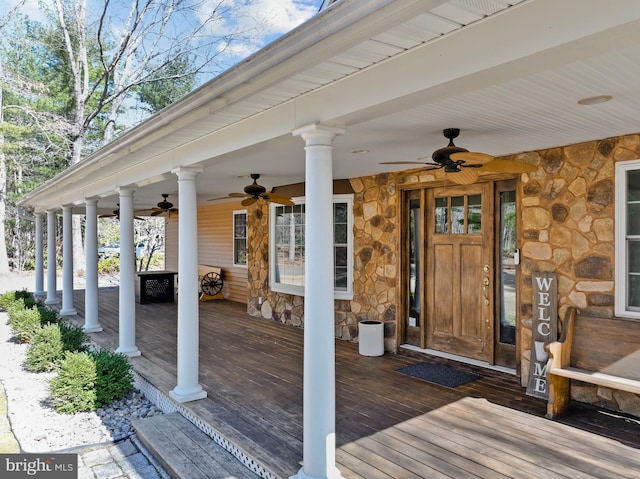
109,265
13,306
74,389
30,302
24,323
47,315
114,379
46,349
49,344
10,297
73,337
87,381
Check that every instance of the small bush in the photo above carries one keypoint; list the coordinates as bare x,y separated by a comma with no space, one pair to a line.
47,315
73,337
87,381
30,302
114,379
74,389
46,349
24,323
109,265
50,343
9,298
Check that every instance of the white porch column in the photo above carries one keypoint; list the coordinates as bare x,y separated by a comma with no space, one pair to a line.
319,402
51,258
67,262
91,324
188,388
127,317
39,292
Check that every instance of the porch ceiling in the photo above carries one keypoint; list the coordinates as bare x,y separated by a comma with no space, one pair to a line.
395,73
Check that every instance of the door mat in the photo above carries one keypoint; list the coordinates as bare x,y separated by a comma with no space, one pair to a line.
438,374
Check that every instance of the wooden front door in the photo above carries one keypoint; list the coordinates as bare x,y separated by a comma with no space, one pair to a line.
459,270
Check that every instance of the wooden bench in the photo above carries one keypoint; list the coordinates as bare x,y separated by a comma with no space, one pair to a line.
601,351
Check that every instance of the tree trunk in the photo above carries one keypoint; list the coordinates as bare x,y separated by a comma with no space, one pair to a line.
4,260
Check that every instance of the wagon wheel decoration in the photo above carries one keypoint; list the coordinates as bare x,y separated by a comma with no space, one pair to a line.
211,283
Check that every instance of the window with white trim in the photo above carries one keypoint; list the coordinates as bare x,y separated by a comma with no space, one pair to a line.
286,246
627,298
240,238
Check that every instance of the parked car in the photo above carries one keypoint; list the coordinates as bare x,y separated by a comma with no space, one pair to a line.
111,250
140,249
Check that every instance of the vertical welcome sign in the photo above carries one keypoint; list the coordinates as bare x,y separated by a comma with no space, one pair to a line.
544,330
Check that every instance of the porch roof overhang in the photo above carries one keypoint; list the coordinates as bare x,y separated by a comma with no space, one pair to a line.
394,73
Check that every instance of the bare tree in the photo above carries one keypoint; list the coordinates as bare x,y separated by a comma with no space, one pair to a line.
132,51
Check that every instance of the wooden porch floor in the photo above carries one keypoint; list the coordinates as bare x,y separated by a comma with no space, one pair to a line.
388,425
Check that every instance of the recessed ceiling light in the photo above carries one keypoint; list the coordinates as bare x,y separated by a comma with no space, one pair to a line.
359,152
594,100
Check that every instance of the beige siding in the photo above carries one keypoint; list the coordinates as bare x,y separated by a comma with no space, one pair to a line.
171,244
215,246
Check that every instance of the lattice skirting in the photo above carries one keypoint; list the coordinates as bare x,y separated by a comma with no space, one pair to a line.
168,405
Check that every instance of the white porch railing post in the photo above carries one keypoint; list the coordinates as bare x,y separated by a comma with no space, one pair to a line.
52,298
67,262
188,387
319,396
39,292
127,293
91,324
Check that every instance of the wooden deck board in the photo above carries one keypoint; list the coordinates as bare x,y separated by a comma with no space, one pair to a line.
388,425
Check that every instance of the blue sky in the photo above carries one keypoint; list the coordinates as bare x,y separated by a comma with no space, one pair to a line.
276,16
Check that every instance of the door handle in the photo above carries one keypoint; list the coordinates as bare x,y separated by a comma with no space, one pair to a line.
485,289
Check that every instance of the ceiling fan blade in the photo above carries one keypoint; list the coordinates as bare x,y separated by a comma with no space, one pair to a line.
462,177
282,200
237,195
508,166
248,201
157,212
472,157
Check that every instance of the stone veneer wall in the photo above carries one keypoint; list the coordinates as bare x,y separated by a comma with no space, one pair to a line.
375,274
567,227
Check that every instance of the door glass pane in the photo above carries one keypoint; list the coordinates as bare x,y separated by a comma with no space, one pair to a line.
457,215
507,272
415,230
441,216
474,214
